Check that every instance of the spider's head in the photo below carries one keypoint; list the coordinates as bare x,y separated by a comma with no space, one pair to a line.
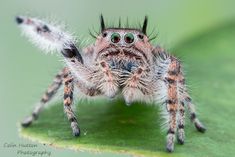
131,41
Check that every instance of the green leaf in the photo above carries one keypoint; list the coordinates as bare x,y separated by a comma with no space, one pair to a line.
209,60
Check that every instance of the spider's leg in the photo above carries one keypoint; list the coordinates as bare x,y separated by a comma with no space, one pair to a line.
68,101
181,109
51,38
52,89
175,76
172,101
193,117
48,37
186,100
166,71
170,80
167,91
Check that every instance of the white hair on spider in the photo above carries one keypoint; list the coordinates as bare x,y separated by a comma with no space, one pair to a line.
47,37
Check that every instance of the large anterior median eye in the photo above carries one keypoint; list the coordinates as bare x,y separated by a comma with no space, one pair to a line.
129,38
115,37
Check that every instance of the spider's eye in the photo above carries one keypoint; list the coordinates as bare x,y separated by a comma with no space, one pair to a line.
104,34
45,28
115,37
140,36
129,38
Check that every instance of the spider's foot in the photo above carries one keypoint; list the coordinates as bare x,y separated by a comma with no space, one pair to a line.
75,129
128,103
27,121
199,126
170,148
76,132
181,136
170,143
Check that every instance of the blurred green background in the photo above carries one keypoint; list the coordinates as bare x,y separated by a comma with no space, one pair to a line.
26,72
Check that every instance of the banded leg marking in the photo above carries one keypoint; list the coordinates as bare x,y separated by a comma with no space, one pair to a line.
181,121
172,102
193,117
51,91
68,101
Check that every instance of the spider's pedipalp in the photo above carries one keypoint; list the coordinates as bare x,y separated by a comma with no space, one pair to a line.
137,86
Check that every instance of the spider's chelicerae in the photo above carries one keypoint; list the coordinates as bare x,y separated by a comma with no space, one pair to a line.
122,60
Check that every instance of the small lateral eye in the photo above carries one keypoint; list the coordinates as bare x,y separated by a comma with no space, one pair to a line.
45,28
115,37
129,38
104,34
140,36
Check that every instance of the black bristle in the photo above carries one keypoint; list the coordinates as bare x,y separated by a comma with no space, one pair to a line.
102,25
139,27
119,23
127,23
92,34
144,28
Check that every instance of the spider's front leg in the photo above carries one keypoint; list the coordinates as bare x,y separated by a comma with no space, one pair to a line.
47,96
68,101
48,37
52,39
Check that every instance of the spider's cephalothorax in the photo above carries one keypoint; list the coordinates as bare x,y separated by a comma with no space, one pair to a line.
121,61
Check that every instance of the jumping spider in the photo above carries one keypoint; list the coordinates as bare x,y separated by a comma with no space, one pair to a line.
122,60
